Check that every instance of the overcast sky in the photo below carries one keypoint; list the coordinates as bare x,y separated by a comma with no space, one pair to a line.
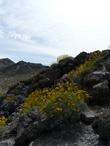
41,30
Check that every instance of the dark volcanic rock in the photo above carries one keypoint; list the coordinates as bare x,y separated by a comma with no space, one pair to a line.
101,93
6,62
98,85
93,78
88,117
51,75
9,107
29,126
102,125
19,122
81,58
75,135
32,132
38,128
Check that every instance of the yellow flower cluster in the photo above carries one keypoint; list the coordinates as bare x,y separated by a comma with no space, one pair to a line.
64,98
60,100
87,65
2,120
95,55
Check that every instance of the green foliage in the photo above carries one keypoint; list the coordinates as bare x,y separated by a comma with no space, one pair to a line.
65,99
60,102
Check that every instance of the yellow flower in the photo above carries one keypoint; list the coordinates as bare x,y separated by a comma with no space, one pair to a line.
58,109
2,120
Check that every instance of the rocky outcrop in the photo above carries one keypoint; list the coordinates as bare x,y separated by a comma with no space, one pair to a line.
31,125
51,75
101,93
97,84
47,77
37,129
5,62
97,80
81,58
102,125
7,142
87,117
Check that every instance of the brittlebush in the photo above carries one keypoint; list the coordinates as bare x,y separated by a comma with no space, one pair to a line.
86,66
63,99
60,101
2,121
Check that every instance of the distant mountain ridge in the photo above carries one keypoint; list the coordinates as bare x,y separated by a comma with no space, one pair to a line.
22,67
12,73
5,62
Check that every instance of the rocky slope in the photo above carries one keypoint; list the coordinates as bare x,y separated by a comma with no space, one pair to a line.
88,126
5,62
12,73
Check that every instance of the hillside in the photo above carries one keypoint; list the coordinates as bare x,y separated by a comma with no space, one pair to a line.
5,62
12,73
66,103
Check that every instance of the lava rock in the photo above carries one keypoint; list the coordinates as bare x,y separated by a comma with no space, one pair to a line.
9,107
87,117
101,93
97,83
102,126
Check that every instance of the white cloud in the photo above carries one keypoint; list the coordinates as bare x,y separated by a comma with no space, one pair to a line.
55,27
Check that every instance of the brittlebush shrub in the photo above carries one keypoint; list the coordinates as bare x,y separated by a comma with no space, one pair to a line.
2,121
60,102
86,66
65,99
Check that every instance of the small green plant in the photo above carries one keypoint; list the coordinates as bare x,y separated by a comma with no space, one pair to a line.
2,121
10,98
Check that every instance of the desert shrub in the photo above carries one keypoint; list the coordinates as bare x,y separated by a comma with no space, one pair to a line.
95,55
60,101
2,121
86,66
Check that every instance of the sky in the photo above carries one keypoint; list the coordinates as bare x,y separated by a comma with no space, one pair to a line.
41,30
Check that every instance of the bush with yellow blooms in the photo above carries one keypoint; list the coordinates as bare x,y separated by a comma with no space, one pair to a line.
64,99
61,101
86,66
2,120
